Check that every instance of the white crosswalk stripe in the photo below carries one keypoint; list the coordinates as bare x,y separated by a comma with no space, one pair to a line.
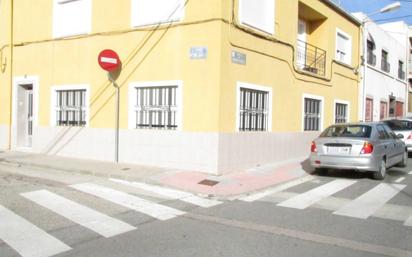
260,195
368,203
408,221
372,203
171,193
154,210
399,180
27,239
86,217
305,200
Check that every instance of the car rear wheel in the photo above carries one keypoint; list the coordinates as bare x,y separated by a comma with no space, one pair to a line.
380,174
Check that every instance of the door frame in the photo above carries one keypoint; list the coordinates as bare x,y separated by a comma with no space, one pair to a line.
17,82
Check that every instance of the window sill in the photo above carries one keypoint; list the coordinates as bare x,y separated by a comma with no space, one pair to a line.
156,24
74,35
349,66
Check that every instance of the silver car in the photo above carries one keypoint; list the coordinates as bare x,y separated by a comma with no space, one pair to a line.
404,127
358,146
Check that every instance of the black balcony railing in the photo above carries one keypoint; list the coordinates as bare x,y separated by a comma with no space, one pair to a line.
401,74
310,58
385,66
371,59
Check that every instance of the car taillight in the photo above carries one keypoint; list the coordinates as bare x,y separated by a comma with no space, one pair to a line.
367,148
410,136
313,148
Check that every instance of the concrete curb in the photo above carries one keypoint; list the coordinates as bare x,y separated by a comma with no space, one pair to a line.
154,176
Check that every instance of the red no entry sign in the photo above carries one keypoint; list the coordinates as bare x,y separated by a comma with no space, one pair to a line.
109,60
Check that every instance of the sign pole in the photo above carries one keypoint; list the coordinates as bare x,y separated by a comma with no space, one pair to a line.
116,137
109,61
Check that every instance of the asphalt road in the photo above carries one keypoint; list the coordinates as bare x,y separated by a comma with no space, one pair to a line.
53,213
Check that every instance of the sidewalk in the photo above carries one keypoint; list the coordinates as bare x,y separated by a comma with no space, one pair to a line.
199,183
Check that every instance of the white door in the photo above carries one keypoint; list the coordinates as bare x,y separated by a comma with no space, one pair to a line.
25,115
301,44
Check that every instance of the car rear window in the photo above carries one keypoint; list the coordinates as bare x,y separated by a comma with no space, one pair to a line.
347,131
399,124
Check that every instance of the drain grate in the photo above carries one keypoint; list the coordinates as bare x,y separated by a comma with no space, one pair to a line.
208,182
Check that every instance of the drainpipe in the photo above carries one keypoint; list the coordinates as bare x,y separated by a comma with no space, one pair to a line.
364,61
406,107
11,69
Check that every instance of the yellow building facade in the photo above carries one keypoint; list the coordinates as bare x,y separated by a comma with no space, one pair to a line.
216,86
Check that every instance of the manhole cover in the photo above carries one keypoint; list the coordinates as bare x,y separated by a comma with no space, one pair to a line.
208,182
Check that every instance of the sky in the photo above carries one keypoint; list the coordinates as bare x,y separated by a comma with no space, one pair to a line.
372,6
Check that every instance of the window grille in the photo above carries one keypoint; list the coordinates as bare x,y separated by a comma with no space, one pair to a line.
385,65
401,73
71,107
371,57
341,113
253,110
156,107
312,114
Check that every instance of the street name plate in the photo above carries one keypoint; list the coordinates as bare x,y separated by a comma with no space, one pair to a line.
238,58
198,52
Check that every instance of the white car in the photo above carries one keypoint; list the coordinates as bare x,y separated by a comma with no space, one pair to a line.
404,127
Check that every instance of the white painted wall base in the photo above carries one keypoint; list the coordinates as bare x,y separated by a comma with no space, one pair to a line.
212,153
4,137
240,151
172,149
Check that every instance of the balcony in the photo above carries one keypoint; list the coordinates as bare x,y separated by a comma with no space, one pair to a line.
371,59
310,58
401,75
410,67
385,66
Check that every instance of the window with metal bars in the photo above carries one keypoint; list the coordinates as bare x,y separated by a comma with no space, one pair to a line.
253,110
341,112
312,114
71,107
156,107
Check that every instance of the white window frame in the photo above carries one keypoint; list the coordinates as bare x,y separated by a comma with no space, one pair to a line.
268,27
136,16
338,101
132,101
267,89
322,110
54,89
348,54
59,32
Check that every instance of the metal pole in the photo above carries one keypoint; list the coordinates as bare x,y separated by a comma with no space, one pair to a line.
364,53
116,137
11,70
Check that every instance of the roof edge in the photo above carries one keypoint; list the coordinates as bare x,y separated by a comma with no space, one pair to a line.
342,12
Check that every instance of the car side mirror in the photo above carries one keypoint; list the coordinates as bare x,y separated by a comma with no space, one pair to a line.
400,136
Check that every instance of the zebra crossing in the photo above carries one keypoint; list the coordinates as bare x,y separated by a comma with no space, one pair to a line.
30,240
374,202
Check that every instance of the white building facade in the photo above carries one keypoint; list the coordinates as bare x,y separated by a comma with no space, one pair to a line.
383,89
